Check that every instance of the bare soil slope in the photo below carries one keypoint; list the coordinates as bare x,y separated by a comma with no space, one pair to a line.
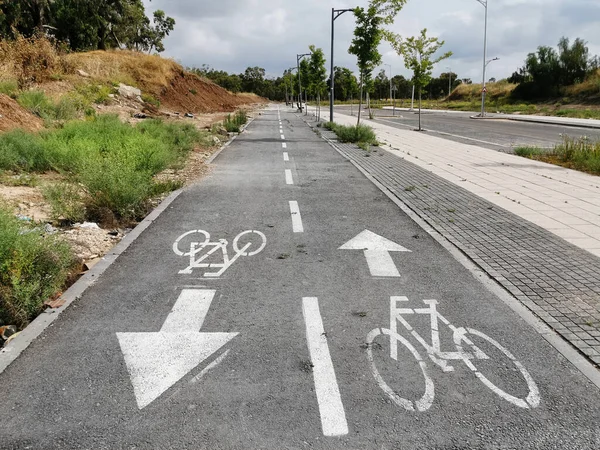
13,115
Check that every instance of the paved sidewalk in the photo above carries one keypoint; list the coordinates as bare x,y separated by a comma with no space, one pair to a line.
562,201
568,121
453,188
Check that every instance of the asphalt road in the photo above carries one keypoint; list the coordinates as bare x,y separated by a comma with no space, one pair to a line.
287,345
496,134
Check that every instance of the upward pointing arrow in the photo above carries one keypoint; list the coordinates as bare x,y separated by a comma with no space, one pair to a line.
158,360
377,252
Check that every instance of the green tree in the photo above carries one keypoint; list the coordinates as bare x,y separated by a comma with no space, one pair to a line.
418,53
367,36
253,80
387,9
317,76
346,84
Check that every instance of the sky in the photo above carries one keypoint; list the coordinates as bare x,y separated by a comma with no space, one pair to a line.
232,35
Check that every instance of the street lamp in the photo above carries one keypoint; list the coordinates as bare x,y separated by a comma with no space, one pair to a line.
484,3
484,89
298,58
335,13
449,81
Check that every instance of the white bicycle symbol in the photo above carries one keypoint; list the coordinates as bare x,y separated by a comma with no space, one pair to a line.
197,247
461,339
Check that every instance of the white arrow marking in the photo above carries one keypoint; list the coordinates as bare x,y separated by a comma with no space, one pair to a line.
377,252
158,360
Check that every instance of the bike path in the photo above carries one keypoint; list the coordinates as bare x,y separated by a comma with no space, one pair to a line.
85,383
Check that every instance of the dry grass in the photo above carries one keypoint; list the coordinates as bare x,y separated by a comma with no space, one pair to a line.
149,72
500,89
32,60
590,88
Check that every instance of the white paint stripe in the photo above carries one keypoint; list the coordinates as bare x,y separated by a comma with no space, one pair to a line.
189,311
283,137
284,145
211,366
288,177
333,417
286,157
296,218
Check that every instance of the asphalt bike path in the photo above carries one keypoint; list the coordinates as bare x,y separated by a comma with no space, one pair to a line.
286,302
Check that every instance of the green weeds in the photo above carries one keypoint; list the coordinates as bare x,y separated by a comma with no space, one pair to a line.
110,165
576,153
33,268
362,135
233,124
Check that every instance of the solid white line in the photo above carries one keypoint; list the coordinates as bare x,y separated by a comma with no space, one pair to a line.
288,177
296,218
284,145
286,157
333,417
189,311
282,137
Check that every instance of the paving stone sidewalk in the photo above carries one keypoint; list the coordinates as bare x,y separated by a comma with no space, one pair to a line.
556,280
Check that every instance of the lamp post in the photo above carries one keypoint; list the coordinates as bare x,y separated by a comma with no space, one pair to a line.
484,89
484,3
449,81
298,58
335,13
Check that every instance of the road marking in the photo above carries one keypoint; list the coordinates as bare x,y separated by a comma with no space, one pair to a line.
282,137
296,218
284,145
331,408
377,252
201,249
288,177
158,360
286,157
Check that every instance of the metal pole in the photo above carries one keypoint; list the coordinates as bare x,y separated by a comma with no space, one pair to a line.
412,102
485,5
332,74
449,82
299,81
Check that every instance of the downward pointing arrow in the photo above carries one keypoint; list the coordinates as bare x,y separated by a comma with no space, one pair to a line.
377,252
158,360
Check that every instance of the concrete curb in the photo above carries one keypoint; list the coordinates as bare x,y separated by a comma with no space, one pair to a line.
556,341
24,339
541,120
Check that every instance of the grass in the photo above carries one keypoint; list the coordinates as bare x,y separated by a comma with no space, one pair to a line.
361,135
9,87
110,165
66,108
33,268
575,153
233,124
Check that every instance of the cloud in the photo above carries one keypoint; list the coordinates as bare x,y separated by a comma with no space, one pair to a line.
234,34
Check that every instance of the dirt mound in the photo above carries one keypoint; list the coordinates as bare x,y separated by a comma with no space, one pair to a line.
162,78
190,93
13,115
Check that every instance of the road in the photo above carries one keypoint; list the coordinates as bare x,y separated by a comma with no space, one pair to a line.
496,134
257,310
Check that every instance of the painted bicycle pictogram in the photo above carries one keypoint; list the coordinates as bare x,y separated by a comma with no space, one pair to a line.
466,352
201,248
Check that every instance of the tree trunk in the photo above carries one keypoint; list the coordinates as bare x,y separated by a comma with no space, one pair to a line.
360,100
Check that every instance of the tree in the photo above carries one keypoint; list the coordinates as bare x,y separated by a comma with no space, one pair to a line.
346,84
417,53
317,76
367,36
387,9
253,80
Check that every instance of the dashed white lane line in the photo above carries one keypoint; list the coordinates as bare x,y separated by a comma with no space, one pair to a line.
297,226
331,408
288,177
282,137
284,145
286,157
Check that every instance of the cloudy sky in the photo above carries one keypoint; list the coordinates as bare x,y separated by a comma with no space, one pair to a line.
234,34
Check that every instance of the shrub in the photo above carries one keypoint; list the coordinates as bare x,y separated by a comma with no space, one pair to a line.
233,124
9,87
33,268
151,100
67,108
21,151
66,202
353,134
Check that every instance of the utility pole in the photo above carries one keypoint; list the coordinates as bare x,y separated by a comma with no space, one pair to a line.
335,13
449,82
484,3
